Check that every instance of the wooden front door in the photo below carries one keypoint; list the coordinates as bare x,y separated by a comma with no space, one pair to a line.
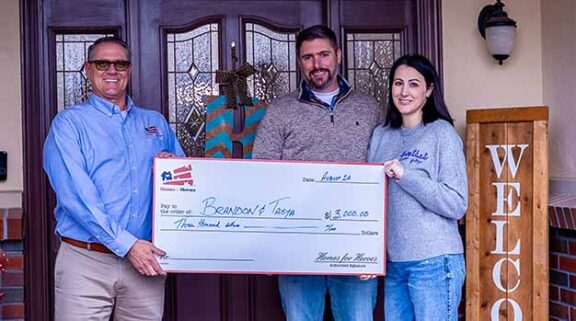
176,48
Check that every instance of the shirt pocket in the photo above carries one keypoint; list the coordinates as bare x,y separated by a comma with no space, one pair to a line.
155,144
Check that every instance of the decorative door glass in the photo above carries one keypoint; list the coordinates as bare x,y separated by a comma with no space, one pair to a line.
369,59
192,61
72,86
273,54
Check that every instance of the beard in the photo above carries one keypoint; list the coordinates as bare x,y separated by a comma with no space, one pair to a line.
317,86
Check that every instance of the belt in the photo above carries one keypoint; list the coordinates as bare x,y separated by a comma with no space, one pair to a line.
96,247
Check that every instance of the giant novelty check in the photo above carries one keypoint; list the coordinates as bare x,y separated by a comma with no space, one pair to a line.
247,216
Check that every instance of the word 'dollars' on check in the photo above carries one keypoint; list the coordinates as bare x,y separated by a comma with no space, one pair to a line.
266,217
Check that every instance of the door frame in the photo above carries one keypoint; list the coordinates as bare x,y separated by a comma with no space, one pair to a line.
37,233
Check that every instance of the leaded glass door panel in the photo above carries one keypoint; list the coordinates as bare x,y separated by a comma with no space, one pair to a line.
193,57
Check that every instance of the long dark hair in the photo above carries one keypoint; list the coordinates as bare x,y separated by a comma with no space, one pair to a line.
434,108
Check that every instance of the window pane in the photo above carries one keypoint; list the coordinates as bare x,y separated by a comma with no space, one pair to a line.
273,54
71,52
192,60
369,59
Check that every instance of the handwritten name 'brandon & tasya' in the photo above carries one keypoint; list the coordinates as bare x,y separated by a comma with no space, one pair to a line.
275,208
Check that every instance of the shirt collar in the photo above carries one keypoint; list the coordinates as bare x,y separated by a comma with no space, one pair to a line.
108,108
306,94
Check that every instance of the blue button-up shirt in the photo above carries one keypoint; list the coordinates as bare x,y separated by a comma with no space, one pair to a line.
100,165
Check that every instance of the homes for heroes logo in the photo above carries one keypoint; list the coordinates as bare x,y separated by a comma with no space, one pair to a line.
178,177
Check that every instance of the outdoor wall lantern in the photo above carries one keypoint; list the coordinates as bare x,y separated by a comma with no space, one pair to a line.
498,29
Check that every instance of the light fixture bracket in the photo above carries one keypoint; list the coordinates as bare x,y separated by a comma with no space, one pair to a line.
493,15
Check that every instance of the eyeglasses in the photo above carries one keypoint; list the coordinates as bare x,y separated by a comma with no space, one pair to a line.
103,65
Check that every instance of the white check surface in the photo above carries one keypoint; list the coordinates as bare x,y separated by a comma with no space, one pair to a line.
246,216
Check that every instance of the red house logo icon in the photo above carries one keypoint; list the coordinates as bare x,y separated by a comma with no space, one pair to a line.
179,176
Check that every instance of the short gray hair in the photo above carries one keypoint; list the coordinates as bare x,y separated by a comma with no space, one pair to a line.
115,40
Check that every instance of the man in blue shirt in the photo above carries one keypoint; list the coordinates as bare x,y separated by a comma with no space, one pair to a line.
98,156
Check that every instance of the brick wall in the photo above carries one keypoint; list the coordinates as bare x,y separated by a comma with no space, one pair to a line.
12,278
562,217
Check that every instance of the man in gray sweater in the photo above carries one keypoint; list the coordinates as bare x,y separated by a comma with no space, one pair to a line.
324,121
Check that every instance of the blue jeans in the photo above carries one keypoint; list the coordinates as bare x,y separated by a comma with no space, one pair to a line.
427,290
351,299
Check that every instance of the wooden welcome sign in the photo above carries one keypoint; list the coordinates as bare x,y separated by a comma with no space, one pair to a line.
507,222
